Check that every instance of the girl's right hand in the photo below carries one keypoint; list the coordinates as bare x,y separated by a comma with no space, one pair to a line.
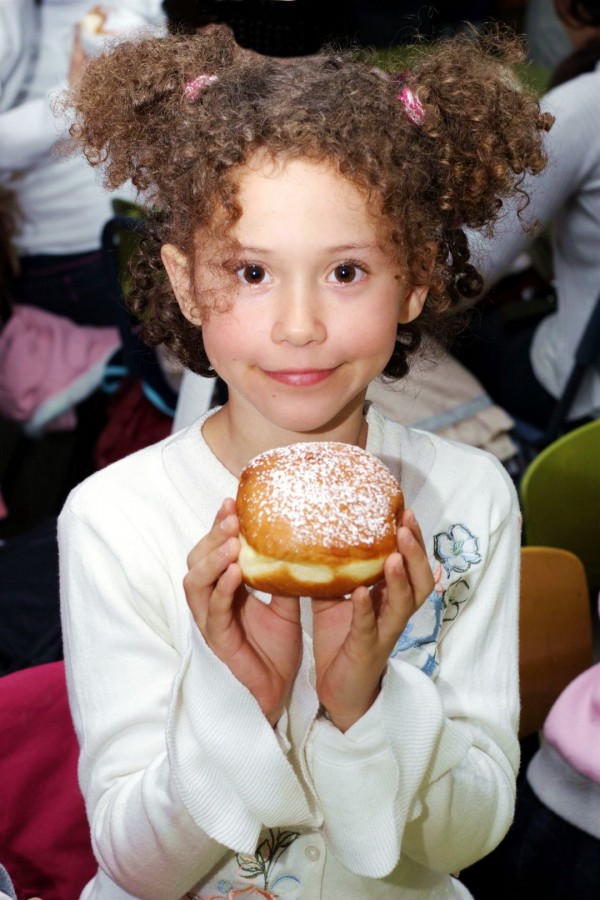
261,644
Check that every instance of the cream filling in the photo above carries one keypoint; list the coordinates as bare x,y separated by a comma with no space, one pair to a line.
255,566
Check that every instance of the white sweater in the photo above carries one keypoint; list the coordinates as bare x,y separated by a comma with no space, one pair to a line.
180,769
566,194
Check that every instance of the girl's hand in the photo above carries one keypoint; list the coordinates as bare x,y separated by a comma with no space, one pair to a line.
261,644
353,639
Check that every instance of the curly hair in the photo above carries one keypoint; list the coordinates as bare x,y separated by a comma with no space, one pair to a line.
481,133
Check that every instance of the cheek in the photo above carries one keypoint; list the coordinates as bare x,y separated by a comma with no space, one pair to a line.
374,334
377,341
224,338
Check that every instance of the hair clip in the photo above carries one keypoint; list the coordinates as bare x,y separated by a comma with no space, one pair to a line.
412,106
193,89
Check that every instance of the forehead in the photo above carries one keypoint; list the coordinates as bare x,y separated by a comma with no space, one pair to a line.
274,193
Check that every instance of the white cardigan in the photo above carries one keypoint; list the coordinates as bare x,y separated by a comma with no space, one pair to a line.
180,769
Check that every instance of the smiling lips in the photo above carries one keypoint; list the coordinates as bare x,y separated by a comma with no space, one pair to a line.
301,378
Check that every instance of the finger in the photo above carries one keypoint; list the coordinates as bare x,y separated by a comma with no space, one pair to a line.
287,608
225,526
218,622
409,521
399,602
416,564
320,604
397,582
213,608
363,626
207,570
221,601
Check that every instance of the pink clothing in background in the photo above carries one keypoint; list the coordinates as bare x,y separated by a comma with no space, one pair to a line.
573,724
48,364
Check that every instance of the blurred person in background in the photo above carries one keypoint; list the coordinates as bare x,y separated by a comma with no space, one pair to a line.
63,206
526,367
547,40
553,847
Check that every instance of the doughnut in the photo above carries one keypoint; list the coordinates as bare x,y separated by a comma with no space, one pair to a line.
316,519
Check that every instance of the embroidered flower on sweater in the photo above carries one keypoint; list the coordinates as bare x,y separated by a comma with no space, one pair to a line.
261,864
456,549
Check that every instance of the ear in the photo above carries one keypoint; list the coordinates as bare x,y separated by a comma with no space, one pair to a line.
413,304
417,295
177,266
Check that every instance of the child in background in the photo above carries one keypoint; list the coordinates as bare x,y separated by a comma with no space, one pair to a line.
310,218
525,366
553,847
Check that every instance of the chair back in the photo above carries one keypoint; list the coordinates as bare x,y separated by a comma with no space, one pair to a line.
560,497
555,630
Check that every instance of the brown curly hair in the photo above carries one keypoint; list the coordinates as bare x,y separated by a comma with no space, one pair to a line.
480,134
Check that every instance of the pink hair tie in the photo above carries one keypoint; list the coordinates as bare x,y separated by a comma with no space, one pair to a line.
193,89
412,106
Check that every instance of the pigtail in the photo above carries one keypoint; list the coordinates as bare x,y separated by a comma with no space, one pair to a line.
132,107
476,135
138,116
482,126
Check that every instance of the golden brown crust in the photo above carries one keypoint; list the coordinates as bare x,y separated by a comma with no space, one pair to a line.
322,504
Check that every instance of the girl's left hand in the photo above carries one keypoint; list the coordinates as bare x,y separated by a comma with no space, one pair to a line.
353,639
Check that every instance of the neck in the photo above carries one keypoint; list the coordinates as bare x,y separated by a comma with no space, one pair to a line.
235,443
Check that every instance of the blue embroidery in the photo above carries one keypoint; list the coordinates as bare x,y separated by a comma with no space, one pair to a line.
421,633
409,638
455,550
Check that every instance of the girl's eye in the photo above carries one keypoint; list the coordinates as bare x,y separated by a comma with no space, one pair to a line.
253,274
347,273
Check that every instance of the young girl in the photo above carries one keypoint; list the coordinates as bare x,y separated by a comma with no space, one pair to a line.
310,218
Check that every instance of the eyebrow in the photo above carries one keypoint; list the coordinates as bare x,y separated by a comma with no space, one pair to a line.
338,248
343,248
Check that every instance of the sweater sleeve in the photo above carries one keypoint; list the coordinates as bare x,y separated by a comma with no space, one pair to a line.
167,793
572,149
436,760
30,131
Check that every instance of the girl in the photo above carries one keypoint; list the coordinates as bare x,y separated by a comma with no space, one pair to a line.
310,218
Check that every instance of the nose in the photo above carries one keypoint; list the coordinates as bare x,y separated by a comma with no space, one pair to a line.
299,317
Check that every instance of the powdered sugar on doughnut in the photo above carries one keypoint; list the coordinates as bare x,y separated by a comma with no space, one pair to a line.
332,494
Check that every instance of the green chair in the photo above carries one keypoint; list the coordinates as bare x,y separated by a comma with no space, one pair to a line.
560,497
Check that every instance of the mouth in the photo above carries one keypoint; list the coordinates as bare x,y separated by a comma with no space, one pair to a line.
300,377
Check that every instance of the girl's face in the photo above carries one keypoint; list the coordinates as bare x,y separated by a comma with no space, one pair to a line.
314,299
